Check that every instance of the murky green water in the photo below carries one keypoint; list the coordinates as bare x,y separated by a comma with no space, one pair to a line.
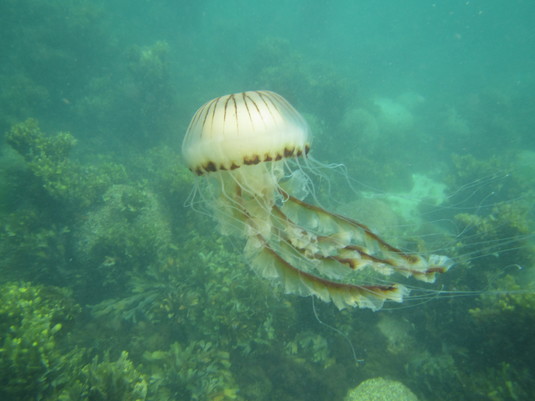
118,285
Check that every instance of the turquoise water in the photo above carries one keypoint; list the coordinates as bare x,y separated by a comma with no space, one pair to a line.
117,286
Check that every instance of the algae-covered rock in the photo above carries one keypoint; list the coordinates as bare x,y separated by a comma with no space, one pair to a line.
379,389
127,232
398,332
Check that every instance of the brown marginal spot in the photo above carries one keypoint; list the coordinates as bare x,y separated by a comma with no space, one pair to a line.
251,160
268,158
210,166
307,149
234,166
278,157
288,152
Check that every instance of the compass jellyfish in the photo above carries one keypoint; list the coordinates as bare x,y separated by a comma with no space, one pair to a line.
246,148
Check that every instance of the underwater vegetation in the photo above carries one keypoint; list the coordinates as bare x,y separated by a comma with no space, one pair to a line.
495,318
40,360
31,320
103,379
502,215
47,198
198,372
64,180
126,232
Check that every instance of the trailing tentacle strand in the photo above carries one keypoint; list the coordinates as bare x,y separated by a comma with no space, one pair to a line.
353,244
269,264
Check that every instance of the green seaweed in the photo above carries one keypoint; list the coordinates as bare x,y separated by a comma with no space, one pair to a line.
37,357
105,380
199,371
32,319
502,235
510,307
63,179
212,296
51,193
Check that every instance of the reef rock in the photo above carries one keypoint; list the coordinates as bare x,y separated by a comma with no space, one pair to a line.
379,389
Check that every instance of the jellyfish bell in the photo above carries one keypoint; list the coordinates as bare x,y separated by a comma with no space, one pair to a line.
244,129
243,146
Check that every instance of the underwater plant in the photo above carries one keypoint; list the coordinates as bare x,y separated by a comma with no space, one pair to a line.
48,200
105,380
510,310
124,234
63,179
32,246
32,319
47,157
199,371
37,357
201,290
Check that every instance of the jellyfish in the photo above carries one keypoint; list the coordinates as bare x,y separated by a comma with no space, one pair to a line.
247,149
